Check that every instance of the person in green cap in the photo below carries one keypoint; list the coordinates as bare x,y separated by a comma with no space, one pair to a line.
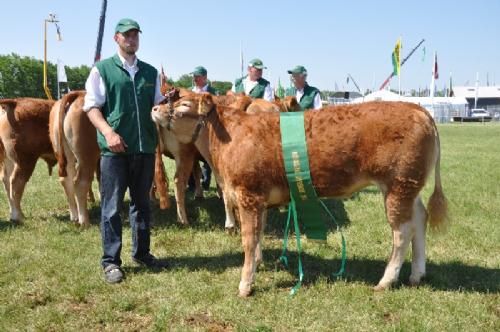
253,84
121,90
200,81
200,86
307,96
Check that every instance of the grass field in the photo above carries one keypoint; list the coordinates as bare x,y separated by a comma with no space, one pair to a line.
50,277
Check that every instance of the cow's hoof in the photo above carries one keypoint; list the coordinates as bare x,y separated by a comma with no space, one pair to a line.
245,289
415,280
85,225
381,288
231,230
245,292
17,222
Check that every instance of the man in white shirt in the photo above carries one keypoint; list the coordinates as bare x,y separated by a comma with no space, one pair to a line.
200,80
121,90
253,84
307,96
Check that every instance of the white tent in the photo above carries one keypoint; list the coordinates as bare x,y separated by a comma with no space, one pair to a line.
443,109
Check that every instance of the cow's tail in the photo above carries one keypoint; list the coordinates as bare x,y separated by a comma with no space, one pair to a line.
160,179
437,206
2,156
7,105
61,156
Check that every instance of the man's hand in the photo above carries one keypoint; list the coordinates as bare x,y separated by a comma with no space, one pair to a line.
115,142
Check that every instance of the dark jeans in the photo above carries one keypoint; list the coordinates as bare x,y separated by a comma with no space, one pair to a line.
206,176
118,173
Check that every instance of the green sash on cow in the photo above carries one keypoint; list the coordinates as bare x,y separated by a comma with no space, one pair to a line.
304,202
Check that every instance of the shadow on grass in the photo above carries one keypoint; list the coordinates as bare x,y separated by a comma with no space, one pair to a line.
453,276
6,224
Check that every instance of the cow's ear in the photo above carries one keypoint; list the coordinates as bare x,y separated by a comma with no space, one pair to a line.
276,98
8,104
206,104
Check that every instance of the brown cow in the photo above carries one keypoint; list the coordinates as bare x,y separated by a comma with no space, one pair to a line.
394,146
186,154
74,141
24,125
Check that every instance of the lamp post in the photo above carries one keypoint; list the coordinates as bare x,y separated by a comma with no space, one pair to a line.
51,19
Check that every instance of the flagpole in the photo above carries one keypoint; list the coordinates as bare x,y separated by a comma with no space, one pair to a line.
402,63
51,19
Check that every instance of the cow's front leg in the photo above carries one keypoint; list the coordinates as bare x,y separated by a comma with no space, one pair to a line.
181,178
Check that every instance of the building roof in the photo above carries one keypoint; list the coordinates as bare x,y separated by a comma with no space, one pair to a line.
483,91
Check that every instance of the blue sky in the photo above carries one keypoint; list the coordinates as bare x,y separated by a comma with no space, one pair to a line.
330,38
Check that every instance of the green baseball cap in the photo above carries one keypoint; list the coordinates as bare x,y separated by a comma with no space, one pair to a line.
256,63
199,71
126,24
298,70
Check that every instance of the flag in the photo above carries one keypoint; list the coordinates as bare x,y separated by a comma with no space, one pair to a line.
58,29
423,54
347,80
396,58
435,71
61,72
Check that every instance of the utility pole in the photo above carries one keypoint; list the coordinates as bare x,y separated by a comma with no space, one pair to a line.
51,19
102,21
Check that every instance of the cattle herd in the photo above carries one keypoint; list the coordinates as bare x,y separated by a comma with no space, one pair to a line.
392,145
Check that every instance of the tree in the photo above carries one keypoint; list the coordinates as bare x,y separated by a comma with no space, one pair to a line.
222,86
185,81
23,77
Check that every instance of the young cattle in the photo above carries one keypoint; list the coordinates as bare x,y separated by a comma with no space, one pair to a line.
394,146
74,141
24,137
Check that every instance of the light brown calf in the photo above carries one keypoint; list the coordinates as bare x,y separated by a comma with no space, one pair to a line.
74,141
394,146
24,124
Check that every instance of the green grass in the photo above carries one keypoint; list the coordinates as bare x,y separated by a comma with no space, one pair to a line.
50,277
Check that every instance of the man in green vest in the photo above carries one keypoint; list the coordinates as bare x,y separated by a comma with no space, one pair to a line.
307,96
253,84
121,91
201,86
200,81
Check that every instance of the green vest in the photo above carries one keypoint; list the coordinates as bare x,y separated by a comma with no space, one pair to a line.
128,105
256,92
211,90
307,100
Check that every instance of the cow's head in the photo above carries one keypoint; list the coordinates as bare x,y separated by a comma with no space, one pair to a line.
288,104
186,116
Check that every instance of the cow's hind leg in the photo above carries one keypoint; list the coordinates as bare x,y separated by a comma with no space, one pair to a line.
18,179
8,169
69,190
419,222
82,184
399,214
